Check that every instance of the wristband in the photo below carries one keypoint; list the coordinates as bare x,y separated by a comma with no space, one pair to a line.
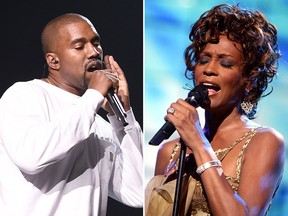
203,167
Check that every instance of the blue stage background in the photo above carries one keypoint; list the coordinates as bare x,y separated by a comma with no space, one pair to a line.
167,25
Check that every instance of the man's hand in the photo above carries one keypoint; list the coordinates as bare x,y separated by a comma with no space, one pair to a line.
121,87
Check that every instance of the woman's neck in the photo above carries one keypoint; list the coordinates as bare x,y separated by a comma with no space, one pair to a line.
223,122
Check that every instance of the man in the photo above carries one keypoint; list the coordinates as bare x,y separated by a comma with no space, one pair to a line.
57,155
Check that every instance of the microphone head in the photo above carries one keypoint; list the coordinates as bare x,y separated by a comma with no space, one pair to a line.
199,97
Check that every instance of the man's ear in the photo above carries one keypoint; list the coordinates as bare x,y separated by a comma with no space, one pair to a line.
52,61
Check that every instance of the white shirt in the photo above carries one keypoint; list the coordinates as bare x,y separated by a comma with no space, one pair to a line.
58,157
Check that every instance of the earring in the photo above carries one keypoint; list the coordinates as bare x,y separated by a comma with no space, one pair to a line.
246,106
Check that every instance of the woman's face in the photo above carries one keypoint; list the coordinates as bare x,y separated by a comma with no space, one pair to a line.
219,68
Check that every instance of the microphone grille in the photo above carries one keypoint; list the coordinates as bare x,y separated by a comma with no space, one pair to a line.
199,96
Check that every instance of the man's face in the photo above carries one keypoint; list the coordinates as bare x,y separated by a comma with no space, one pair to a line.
79,52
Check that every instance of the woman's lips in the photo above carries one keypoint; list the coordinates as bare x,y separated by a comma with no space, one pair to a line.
212,88
212,91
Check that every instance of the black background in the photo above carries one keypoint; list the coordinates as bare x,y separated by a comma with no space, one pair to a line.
119,23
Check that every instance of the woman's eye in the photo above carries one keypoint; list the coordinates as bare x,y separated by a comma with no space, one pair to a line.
203,61
227,64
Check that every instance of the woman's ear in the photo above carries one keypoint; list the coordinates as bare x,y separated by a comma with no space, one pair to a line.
248,87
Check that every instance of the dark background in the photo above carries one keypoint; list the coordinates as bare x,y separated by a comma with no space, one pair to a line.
119,23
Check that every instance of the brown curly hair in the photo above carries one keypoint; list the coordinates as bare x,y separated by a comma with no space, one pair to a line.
257,37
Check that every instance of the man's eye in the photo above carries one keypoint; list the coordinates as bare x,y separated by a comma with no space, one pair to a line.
79,47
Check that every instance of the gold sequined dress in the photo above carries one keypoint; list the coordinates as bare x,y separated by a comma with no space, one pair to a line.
159,193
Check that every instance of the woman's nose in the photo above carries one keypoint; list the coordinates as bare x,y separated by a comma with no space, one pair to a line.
211,69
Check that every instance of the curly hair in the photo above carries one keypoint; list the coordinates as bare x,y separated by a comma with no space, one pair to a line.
257,37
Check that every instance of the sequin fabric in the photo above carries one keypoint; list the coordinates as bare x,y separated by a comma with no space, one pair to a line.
199,205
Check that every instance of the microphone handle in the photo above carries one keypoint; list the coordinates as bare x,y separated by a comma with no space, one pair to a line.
116,106
163,133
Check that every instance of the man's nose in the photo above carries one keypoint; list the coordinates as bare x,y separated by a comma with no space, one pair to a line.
94,51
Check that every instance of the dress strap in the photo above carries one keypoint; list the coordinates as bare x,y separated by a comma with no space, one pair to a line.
221,153
171,160
240,157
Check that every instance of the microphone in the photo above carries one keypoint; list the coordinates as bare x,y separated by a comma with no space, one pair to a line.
116,106
114,102
196,97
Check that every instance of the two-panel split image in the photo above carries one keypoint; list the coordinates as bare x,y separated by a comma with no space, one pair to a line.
144,108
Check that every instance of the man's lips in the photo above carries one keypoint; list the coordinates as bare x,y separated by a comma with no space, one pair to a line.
94,65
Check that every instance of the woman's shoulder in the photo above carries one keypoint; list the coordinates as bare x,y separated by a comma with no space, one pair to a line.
269,134
167,147
267,140
165,152
265,134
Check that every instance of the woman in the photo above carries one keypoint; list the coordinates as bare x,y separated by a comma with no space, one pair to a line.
233,165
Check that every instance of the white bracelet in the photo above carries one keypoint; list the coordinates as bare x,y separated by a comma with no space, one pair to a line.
203,167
